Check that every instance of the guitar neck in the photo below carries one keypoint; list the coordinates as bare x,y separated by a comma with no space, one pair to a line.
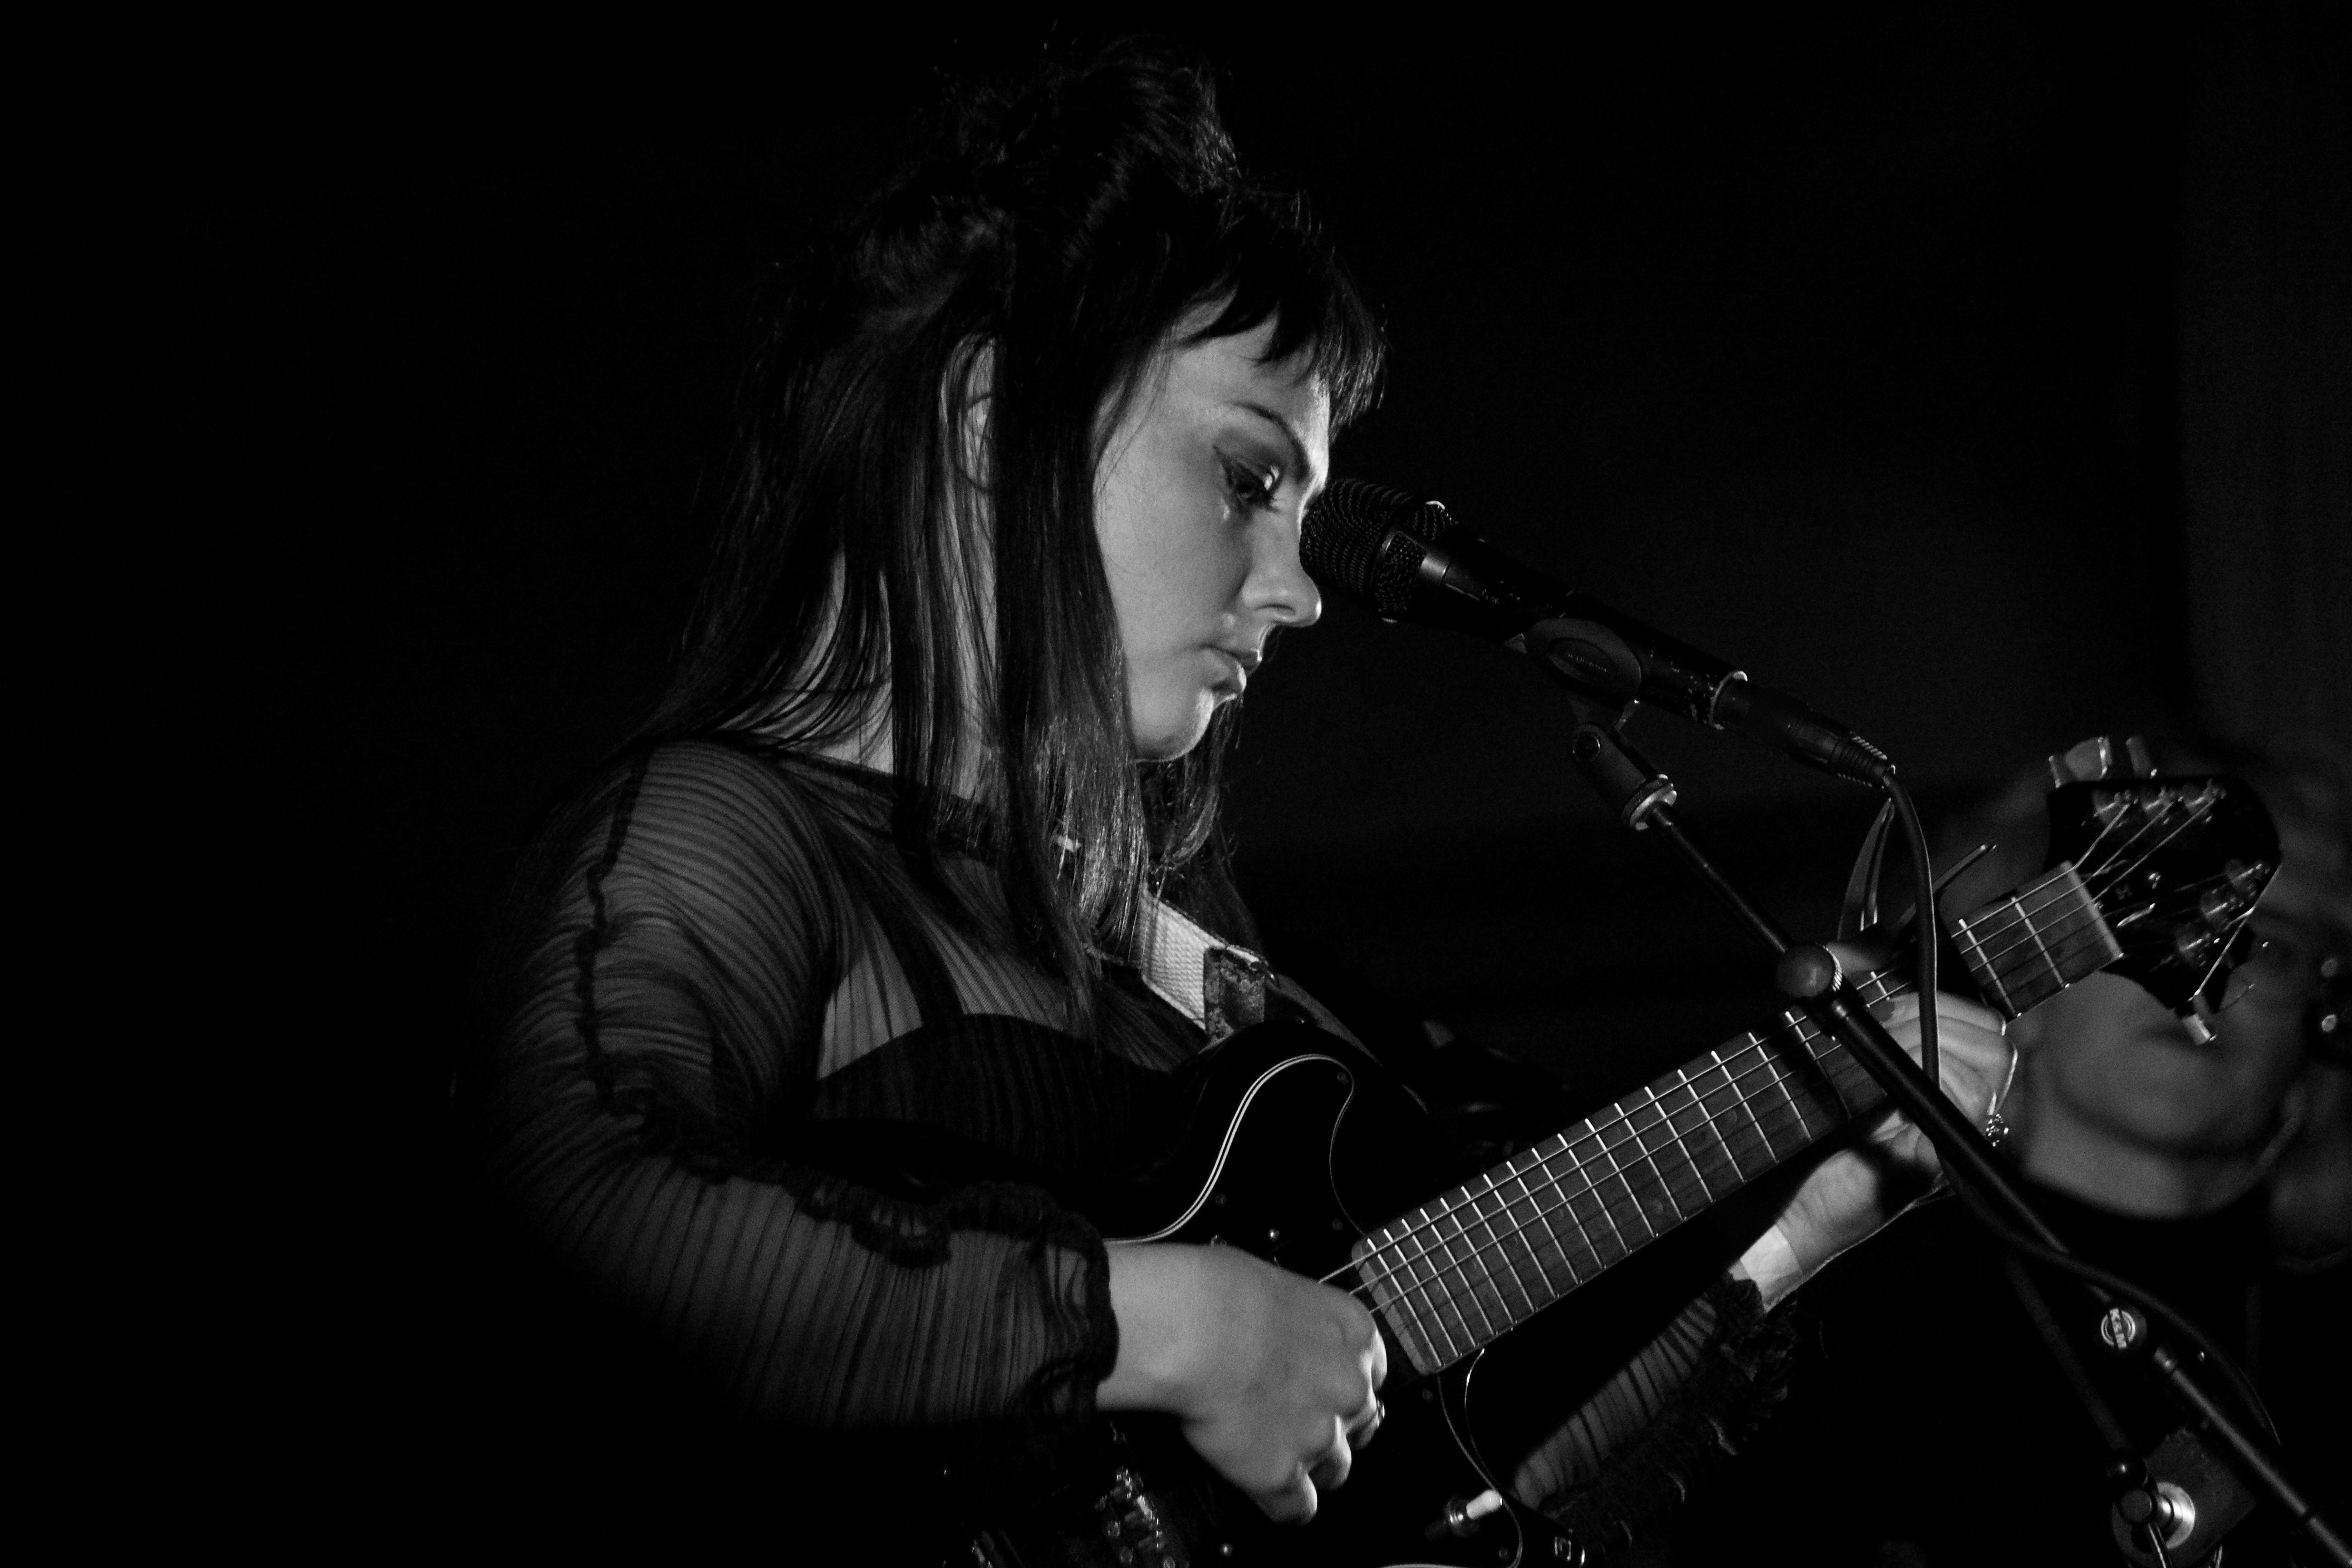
1465,1269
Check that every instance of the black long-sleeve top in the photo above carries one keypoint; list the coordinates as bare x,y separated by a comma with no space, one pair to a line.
724,949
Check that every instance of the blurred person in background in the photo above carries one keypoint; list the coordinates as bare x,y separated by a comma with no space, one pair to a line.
2216,1175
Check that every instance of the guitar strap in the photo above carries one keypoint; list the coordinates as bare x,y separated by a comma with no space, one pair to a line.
1219,986
1215,984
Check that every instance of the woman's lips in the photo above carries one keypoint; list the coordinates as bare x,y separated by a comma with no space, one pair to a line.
1241,663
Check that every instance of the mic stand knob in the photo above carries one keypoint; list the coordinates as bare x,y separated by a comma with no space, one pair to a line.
2176,1505
1621,775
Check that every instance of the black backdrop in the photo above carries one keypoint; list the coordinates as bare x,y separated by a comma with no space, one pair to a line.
1852,349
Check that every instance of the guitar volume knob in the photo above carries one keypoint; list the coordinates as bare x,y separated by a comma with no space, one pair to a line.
1463,1514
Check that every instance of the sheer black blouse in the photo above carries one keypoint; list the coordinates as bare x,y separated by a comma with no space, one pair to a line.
722,950
727,947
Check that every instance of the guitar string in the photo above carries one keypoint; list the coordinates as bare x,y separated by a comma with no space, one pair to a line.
2099,874
1534,1193
1531,1193
1587,1146
2053,946
1585,1156
1436,1297
1597,1128
2100,838
2056,892
2188,819
2013,914
2175,901
2145,823
2020,914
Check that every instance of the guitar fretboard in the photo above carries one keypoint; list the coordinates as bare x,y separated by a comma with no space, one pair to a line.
2037,941
1458,1273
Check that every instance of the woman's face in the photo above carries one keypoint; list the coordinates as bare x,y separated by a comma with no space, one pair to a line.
1197,506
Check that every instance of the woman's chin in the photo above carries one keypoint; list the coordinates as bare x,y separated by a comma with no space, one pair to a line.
1166,735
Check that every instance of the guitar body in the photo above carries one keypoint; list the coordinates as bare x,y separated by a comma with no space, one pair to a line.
1290,1144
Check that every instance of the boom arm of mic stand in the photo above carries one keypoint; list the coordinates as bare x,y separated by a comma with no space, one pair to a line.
1643,799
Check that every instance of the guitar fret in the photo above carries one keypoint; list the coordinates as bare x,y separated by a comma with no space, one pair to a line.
1633,1204
1436,1286
1383,1268
1972,947
1726,1122
1551,1256
1428,1327
1581,1184
1659,1206
1464,1285
2023,948
1736,1125
2047,961
1664,1191
1499,1242
1409,1287
1524,1218
1508,1244
1680,1152
1804,1128
1567,1259
1680,1104
1438,1297
1787,1130
1856,1091
1485,1293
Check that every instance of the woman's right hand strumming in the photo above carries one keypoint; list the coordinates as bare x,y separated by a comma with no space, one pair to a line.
1273,1375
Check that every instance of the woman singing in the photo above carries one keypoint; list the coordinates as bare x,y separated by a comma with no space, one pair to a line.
934,788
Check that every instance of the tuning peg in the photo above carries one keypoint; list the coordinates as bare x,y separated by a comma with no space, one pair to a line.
2193,944
2220,907
2093,760
2143,764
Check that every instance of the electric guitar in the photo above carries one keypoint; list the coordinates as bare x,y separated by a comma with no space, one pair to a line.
1291,1143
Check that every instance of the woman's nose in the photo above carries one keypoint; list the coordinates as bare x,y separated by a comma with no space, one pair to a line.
1279,586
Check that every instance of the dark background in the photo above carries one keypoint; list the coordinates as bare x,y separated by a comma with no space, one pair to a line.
1977,372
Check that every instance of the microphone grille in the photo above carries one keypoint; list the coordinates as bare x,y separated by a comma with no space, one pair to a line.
1364,541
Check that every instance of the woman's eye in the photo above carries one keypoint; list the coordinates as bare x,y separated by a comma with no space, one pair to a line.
1252,489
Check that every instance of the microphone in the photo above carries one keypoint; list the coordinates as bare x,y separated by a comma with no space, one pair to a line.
1405,559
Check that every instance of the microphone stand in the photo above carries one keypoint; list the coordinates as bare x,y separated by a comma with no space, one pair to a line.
1809,977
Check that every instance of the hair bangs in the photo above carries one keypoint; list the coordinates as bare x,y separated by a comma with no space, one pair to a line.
1277,266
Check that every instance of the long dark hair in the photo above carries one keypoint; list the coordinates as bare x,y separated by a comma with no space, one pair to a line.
1065,225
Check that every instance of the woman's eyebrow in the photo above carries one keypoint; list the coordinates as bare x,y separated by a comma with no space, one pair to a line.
1299,463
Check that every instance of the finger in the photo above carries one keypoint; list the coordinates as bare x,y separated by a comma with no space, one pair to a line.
1975,1054
1292,1504
1331,1472
1367,1427
1949,1009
